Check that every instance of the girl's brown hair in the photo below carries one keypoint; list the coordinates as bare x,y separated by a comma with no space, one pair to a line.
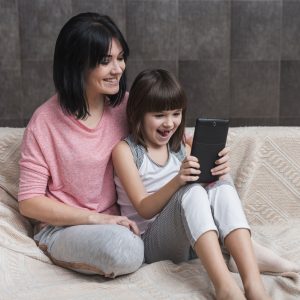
155,91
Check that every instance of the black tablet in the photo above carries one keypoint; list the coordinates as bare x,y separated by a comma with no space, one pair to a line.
209,139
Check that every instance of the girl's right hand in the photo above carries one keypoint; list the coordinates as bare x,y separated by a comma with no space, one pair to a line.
189,170
98,218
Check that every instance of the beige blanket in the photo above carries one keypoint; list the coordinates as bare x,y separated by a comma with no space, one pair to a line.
266,168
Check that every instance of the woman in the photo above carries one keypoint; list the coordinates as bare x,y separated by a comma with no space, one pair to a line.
66,173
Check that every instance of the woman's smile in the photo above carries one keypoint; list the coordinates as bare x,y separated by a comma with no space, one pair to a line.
105,78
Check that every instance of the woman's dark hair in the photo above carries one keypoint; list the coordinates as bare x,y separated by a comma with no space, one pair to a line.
81,45
154,91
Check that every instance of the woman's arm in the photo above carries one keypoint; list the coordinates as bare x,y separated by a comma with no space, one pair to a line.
53,212
34,176
148,205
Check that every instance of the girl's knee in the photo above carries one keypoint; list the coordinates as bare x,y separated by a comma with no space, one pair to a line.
225,187
195,195
226,193
197,188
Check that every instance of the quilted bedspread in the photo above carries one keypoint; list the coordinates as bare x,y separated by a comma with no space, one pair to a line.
265,164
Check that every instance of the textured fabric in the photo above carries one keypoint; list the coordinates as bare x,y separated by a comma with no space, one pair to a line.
63,159
153,176
10,144
170,237
138,152
191,212
107,249
266,170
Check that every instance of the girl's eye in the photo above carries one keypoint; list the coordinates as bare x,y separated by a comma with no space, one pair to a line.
121,58
158,116
177,114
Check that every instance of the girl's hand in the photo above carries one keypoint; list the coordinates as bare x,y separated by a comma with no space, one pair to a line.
110,219
222,163
189,170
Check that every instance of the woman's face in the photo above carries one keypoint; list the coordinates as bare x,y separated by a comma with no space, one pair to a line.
104,79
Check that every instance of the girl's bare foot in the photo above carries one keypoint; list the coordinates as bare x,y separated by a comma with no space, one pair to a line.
260,296
255,292
230,291
268,261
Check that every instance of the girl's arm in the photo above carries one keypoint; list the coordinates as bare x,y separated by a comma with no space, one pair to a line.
148,205
53,212
223,166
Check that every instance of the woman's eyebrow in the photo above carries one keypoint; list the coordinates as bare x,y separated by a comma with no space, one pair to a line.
109,55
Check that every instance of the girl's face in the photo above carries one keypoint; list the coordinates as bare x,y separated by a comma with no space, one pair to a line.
104,79
158,127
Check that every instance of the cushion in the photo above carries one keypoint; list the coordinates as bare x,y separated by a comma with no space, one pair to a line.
10,142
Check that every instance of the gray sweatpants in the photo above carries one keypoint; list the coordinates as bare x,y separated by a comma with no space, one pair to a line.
108,249
192,211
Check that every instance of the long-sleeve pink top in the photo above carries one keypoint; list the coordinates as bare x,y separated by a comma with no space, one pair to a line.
63,159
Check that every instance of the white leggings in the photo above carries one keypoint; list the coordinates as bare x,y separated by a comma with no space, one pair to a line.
192,211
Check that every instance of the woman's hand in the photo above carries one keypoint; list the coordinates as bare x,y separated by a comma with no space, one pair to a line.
98,218
189,170
222,163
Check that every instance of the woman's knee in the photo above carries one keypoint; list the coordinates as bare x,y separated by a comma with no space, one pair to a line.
110,250
125,254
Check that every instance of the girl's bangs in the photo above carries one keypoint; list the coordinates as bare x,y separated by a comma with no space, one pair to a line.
166,99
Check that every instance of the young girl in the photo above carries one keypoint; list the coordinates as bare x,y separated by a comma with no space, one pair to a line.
153,167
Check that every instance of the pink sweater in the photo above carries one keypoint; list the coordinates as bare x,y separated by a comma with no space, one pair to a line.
63,159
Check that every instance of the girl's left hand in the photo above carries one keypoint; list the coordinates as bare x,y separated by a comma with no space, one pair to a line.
223,166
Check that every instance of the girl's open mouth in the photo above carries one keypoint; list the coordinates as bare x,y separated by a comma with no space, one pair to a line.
164,133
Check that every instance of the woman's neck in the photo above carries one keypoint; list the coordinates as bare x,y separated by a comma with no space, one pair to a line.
96,109
95,101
